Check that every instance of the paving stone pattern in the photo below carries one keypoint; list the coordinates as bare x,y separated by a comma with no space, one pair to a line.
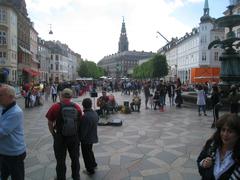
150,145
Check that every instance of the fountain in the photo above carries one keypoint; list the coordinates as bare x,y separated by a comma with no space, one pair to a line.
230,58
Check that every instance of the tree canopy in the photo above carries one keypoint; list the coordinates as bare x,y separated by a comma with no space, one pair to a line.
156,67
90,69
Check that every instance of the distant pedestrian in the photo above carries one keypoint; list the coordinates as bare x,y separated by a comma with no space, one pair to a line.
53,91
12,144
201,100
88,135
178,99
63,122
234,98
171,93
147,93
216,104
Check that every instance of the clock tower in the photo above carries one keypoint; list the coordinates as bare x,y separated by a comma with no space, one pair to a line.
123,40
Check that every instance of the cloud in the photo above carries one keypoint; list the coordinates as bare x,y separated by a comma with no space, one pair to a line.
92,28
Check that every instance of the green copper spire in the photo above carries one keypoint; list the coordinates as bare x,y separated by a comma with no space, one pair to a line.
206,8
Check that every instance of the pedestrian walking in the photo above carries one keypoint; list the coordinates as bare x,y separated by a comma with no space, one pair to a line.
201,100
12,143
171,93
147,93
53,91
63,122
216,104
178,99
234,98
88,135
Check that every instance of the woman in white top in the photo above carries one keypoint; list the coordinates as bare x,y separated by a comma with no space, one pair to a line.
201,100
220,157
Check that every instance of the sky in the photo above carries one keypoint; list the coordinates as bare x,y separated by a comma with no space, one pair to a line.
92,27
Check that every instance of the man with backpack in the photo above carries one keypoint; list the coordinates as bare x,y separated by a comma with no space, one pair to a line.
63,122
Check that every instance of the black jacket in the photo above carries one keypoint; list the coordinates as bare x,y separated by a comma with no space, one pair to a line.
215,97
209,150
88,127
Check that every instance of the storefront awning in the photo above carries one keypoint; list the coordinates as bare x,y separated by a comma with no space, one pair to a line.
31,72
25,50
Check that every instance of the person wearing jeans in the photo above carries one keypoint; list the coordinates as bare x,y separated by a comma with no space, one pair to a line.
201,100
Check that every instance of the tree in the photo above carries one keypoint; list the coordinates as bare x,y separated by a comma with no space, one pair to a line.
160,66
156,67
90,69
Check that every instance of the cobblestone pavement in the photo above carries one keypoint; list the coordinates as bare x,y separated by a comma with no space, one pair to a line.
150,145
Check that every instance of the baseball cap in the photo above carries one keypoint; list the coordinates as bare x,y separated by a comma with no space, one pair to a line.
67,93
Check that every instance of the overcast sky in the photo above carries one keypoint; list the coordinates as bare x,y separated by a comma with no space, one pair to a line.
92,27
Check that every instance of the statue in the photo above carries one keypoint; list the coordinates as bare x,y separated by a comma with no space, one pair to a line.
230,58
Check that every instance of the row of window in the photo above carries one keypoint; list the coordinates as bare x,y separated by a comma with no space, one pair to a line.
189,45
3,54
56,57
3,15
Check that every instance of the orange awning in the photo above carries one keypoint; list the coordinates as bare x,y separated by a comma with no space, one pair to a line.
31,72
202,75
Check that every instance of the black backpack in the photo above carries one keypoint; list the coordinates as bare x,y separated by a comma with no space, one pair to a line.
68,120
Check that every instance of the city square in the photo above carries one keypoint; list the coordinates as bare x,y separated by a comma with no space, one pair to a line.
169,96
149,145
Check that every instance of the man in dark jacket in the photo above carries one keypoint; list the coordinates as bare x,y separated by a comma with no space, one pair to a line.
88,135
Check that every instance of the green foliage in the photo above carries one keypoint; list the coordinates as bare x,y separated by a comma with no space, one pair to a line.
156,67
160,66
90,69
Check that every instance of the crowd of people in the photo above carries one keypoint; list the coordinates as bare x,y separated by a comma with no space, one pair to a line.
71,126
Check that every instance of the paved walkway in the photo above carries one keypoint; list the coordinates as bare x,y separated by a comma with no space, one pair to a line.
151,145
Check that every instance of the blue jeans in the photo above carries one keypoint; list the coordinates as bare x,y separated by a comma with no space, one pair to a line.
203,108
161,101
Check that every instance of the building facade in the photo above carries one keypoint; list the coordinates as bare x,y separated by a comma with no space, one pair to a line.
120,64
44,60
63,62
8,43
24,57
189,57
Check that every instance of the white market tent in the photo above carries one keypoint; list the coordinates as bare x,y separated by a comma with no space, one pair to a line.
103,77
83,79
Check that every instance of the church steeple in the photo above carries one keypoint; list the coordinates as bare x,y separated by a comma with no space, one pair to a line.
206,8
206,17
123,40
